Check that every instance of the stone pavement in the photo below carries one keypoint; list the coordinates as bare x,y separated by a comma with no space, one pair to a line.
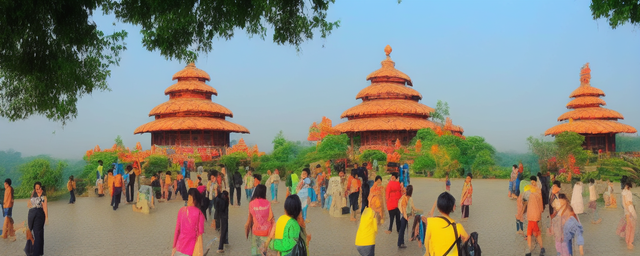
91,227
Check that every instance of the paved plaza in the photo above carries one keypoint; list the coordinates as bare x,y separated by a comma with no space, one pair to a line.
91,227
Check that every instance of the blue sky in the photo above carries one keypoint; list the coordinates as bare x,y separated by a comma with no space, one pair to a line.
506,68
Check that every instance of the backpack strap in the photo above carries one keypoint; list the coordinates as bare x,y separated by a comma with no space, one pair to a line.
455,232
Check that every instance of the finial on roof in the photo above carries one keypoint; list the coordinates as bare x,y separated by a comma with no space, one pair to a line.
191,64
585,74
387,50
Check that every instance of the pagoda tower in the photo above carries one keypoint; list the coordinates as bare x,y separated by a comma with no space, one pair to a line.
190,118
599,125
390,109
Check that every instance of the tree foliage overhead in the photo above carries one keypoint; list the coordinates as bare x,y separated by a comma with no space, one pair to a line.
52,52
441,112
618,12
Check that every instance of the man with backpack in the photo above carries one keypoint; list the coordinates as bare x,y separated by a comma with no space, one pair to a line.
444,236
236,184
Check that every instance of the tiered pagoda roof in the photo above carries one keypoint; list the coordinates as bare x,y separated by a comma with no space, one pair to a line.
190,106
388,104
587,116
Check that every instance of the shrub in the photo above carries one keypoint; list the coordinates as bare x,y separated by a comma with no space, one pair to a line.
40,170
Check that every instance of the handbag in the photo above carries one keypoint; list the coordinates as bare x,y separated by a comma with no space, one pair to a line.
300,249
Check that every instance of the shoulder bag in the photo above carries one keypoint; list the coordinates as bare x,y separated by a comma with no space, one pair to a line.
455,232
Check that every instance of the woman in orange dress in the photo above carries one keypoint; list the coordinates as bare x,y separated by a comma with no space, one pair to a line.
376,199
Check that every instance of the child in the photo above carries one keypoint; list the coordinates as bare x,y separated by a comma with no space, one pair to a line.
534,214
522,208
592,201
447,183
221,205
71,186
366,235
572,229
609,198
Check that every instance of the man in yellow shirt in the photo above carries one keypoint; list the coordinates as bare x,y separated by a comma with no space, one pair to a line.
440,235
366,235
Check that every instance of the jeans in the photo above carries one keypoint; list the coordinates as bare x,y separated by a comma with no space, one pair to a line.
7,212
274,191
73,196
519,226
323,192
117,195
403,227
304,212
395,213
327,204
511,187
130,192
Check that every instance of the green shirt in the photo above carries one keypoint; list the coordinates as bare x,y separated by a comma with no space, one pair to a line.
289,238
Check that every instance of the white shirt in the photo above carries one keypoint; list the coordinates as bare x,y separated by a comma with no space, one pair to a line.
592,192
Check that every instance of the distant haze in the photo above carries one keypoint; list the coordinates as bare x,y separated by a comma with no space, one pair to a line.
505,68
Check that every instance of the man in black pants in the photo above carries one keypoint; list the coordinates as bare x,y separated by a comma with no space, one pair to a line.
237,184
131,185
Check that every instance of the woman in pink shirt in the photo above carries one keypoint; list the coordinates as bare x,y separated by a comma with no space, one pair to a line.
189,226
260,220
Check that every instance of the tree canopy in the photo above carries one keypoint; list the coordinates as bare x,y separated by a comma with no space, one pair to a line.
53,53
617,12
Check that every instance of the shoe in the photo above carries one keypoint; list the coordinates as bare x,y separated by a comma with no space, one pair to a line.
402,246
527,254
542,251
388,231
220,251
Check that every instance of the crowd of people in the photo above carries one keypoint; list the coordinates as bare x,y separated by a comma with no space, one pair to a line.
361,194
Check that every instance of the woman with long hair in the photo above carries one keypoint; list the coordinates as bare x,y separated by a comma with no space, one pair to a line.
221,204
467,193
260,220
189,226
289,229
627,226
38,217
376,199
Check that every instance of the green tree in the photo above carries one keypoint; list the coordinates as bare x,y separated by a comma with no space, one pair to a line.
544,149
155,164
279,140
483,163
570,143
232,161
91,166
441,112
427,137
119,142
627,143
332,147
424,162
617,12
370,155
54,53
40,170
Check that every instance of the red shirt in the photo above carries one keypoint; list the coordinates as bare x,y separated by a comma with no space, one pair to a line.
393,194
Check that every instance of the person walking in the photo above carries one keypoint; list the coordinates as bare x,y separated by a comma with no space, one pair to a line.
71,186
189,226
272,182
166,185
7,208
512,181
131,185
443,232
354,187
118,182
366,235
467,193
212,189
405,205
576,198
592,202
302,189
260,220
289,229
221,205
627,225
376,199
236,185
572,230
534,214
248,185
392,195
38,217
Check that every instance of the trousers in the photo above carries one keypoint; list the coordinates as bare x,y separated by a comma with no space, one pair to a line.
394,214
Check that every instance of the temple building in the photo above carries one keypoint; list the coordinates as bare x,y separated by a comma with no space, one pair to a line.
390,109
190,118
599,125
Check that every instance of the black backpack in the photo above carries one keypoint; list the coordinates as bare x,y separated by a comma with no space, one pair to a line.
471,246
237,179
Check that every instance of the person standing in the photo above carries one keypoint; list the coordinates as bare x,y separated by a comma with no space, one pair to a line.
166,185
260,220
447,183
189,225
221,205
576,198
405,205
512,181
7,208
363,174
289,228
71,186
131,185
366,235
212,189
237,184
573,230
442,232
118,182
592,202
376,199
248,185
609,197
392,195
38,217
534,214
467,193
273,182
627,225
110,184
555,191
302,189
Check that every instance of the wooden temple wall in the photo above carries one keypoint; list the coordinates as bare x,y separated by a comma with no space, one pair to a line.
596,142
191,138
386,138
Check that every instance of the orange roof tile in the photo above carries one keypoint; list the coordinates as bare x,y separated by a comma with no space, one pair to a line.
388,123
591,113
190,123
591,127
388,90
388,107
192,84
190,105
449,126
586,90
586,101
190,71
388,72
